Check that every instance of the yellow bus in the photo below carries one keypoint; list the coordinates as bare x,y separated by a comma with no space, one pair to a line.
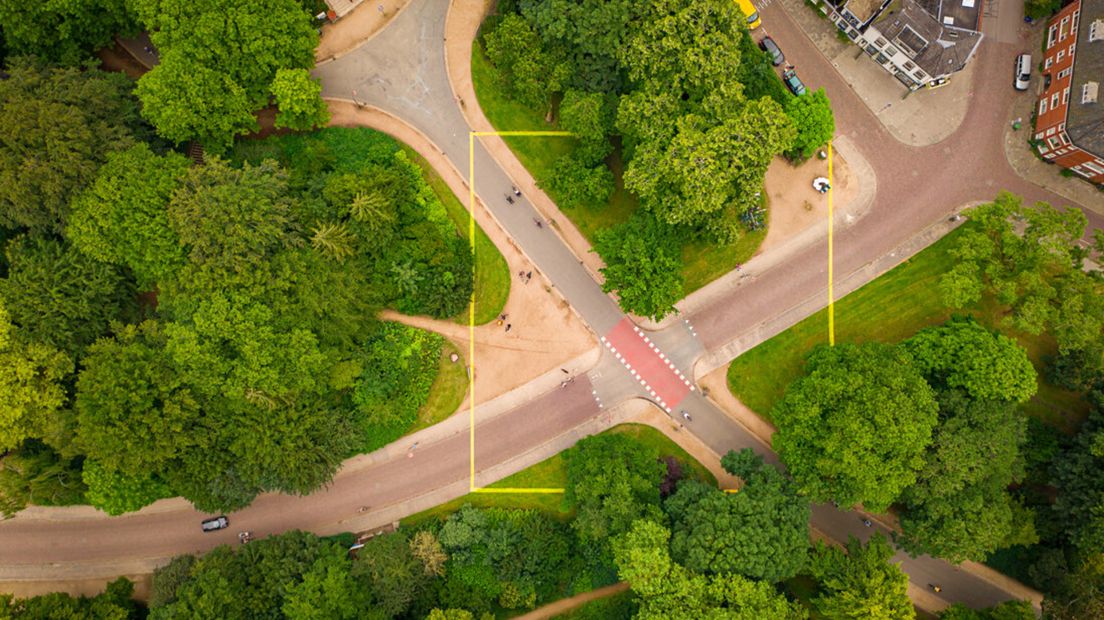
752,15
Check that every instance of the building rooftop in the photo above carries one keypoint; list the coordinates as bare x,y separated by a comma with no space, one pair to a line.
936,48
1085,121
957,13
865,10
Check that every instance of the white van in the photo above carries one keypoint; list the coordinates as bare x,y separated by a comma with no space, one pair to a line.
1022,77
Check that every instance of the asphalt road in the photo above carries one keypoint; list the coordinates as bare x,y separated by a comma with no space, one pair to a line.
401,70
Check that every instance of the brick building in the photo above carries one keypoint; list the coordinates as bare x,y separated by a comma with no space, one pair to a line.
1069,123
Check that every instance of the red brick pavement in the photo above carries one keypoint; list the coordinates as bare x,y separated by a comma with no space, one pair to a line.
664,383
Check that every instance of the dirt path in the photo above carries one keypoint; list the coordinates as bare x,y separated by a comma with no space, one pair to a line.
795,206
563,605
544,332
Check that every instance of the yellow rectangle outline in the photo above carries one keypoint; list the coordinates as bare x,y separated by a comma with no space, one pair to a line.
472,135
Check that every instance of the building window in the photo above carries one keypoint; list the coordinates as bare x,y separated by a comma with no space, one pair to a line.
1096,30
1072,48
1050,132
1054,142
1095,168
1038,136
890,50
920,75
880,42
1051,36
1042,107
1054,102
1061,55
1065,96
908,66
1049,62
1064,73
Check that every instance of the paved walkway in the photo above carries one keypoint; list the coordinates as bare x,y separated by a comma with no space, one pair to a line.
661,379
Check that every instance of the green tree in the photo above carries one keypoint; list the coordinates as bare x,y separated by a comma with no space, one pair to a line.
1041,9
525,67
643,266
578,185
35,474
327,591
31,390
811,115
167,580
1080,594
65,32
122,218
860,584
959,508
113,604
58,296
1009,610
299,98
218,62
589,116
962,354
116,493
1078,511
612,480
56,128
393,575
187,101
761,532
710,171
1021,269
855,428
667,590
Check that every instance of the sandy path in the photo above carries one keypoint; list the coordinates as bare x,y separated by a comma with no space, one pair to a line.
356,27
795,206
564,605
544,334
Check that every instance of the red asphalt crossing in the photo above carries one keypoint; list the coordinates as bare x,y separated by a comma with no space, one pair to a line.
647,364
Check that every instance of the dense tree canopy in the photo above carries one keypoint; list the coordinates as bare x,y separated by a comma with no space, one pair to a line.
122,219
642,266
854,429
761,532
218,62
860,584
58,296
961,354
1078,511
56,128
63,31
529,70
668,590
612,481
31,391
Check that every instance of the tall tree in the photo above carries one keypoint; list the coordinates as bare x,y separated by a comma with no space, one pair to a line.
1078,511
65,32
61,297
761,532
528,69
668,590
643,266
56,128
122,219
31,391
860,584
811,115
855,428
299,98
1009,610
611,481
218,61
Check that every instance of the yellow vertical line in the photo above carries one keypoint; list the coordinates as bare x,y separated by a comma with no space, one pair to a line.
831,297
471,313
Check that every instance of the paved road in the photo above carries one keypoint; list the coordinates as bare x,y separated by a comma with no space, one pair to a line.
402,70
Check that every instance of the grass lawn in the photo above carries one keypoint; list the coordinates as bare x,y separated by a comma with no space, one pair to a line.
703,261
447,392
889,309
492,274
552,473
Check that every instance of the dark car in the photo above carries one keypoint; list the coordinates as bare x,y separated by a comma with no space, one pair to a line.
217,523
789,76
769,46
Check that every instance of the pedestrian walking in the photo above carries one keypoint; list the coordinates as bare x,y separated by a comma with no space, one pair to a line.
564,371
528,276
509,199
517,192
508,327
867,522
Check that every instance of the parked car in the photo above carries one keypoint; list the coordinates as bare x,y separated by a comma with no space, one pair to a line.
216,523
789,76
769,46
1022,76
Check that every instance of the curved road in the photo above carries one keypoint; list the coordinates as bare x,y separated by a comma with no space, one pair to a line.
402,71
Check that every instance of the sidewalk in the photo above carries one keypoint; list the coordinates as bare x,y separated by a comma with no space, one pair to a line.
1021,156
919,118
357,22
